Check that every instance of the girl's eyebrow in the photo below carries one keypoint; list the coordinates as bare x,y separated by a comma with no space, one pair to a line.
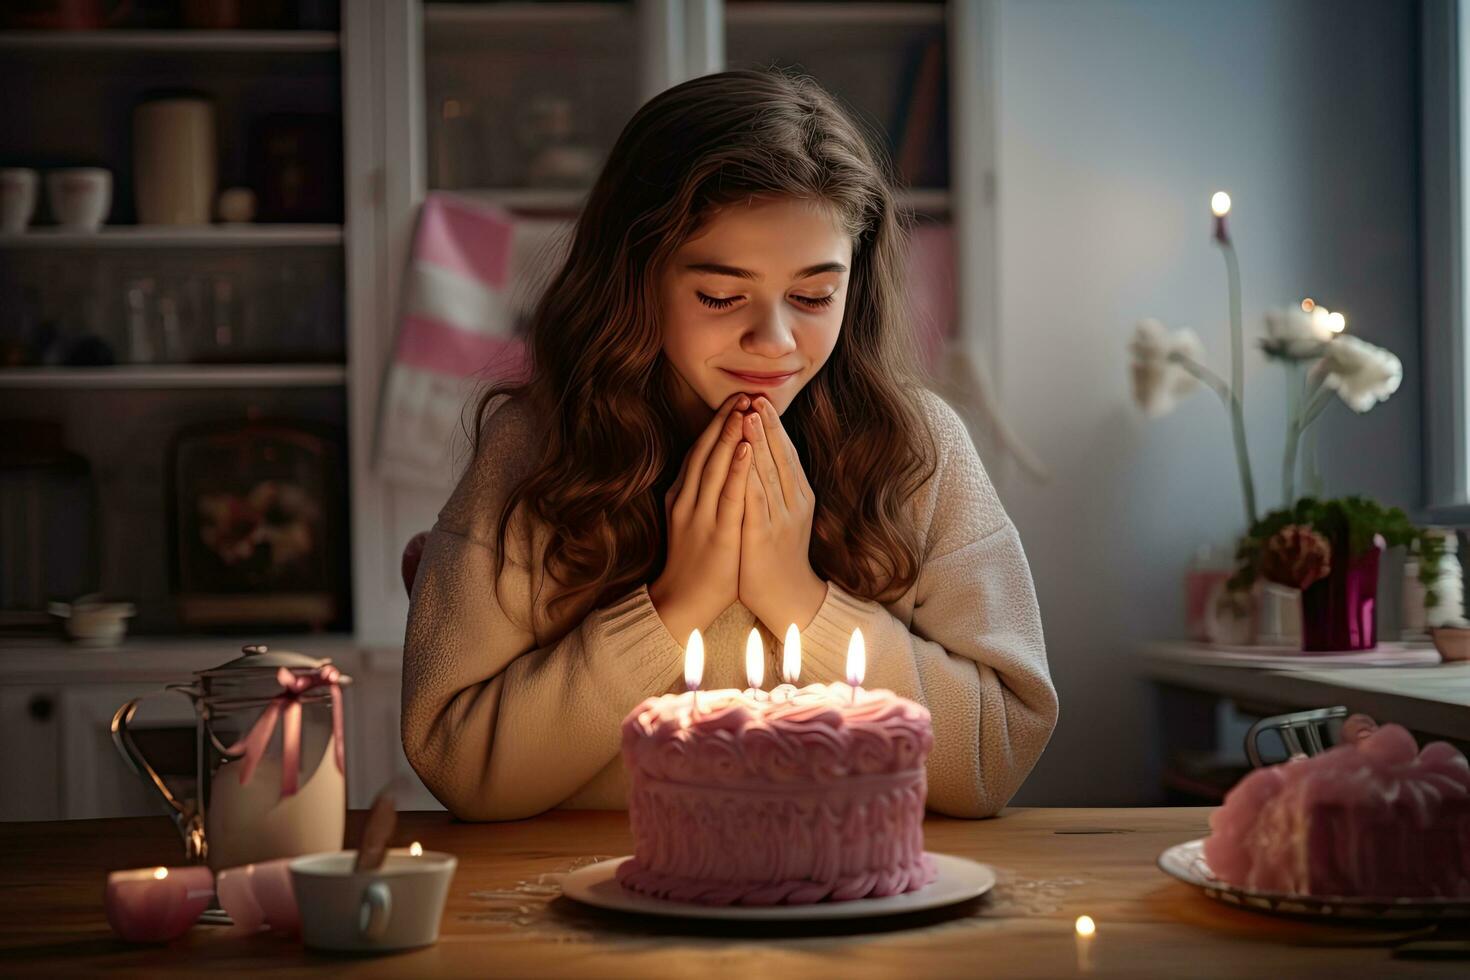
715,268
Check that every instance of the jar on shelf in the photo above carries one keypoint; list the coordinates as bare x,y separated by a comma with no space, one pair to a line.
1441,602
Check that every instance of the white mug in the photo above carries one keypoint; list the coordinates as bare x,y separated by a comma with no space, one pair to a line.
395,906
17,198
80,197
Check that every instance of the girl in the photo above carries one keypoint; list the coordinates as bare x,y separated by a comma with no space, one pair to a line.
720,428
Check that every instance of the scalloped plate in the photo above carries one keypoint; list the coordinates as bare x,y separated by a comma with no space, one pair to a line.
960,880
1187,863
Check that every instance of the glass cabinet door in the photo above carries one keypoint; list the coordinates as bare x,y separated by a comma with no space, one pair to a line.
523,101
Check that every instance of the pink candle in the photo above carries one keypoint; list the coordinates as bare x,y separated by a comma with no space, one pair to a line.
154,905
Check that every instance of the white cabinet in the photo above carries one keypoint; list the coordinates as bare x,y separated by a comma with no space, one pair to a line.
30,777
60,761
95,780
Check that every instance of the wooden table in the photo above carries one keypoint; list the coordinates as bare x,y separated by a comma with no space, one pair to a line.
505,918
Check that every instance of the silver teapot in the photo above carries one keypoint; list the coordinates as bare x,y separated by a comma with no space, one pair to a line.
269,755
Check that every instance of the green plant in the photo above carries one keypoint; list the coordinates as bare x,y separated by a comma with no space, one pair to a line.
1353,519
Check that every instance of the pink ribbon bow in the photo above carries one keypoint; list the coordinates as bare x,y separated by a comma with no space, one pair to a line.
287,706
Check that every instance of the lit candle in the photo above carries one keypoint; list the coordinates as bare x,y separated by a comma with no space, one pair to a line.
755,666
857,664
1220,206
415,849
694,668
1086,929
790,665
154,905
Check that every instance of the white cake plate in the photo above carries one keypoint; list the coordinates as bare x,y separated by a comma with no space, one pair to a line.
1187,863
959,880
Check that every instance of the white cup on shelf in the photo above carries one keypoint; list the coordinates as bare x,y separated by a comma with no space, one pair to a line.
17,198
80,197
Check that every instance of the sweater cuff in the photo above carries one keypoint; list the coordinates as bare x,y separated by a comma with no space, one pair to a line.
824,642
649,657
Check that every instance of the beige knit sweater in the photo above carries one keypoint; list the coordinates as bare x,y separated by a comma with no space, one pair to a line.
507,712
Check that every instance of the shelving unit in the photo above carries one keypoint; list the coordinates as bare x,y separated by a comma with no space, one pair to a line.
161,41
166,376
165,236
249,318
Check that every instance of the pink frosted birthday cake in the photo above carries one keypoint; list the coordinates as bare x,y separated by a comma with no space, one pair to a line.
766,802
1373,817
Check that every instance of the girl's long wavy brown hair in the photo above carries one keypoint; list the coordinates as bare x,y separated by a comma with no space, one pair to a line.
601,389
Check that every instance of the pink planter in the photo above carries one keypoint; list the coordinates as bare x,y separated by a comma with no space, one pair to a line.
1338,612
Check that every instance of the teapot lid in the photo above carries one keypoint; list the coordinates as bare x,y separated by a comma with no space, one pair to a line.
257,656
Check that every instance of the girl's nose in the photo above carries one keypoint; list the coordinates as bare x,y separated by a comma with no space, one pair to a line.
771,336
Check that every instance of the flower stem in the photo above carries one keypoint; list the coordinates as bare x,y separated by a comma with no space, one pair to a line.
1237,383
1293,435
1205,375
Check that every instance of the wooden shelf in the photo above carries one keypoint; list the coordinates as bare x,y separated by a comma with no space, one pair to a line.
873,15
165,236
528,198
528,29
177,376
183,41
511,15
934,200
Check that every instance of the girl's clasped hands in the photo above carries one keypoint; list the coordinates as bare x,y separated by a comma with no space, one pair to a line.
740,524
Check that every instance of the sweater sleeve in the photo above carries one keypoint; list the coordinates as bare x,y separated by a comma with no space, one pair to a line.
477,686
974,653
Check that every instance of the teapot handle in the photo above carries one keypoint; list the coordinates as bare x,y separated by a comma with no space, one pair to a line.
186,813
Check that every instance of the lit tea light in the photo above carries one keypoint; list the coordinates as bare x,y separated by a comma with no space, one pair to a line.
1086,929
154,905
415,849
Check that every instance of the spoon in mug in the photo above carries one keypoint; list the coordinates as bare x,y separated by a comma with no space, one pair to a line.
382,819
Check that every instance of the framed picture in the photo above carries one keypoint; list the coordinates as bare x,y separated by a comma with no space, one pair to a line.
260,523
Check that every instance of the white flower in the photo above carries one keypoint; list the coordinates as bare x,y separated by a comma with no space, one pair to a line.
1293,334
1159,380
1361,373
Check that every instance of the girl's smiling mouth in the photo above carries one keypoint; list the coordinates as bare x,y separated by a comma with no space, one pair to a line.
771,380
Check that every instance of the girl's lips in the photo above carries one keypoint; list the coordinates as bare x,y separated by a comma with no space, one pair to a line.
757,380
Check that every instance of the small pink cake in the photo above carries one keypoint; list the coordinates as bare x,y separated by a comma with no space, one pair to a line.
767,802
1373,817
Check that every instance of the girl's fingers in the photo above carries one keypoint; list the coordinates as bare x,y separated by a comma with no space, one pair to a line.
716,468
694,460
765,460
757,501
732,497
783,451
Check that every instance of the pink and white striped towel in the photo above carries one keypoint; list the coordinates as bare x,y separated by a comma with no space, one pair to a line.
474,273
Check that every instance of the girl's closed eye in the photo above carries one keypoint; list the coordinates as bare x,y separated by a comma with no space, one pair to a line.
724,303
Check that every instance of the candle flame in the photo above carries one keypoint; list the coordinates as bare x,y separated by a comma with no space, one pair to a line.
694,661
1220,204
1085,925
161,874
1336,322
416,849
857,659
755,659
791,656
